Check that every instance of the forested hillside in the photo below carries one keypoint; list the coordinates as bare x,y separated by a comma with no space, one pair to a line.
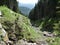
46,16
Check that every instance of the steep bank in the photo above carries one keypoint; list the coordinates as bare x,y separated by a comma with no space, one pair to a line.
17,26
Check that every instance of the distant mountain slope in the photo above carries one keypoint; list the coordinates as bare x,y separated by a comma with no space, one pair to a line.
24,10
26,5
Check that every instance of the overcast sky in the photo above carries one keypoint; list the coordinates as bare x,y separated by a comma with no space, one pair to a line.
28,1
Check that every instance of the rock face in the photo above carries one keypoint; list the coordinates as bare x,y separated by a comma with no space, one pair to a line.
4,37
3,33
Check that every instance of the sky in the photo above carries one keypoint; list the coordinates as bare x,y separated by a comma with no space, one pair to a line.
28,1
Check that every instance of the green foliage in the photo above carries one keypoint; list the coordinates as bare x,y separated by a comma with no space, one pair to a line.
53,41
22,24
8,14
57,41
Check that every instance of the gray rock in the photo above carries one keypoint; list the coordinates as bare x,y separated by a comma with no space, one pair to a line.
48,34
0,13
2,43
42,43
22,42
0,26
2,31
4,36
30,44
